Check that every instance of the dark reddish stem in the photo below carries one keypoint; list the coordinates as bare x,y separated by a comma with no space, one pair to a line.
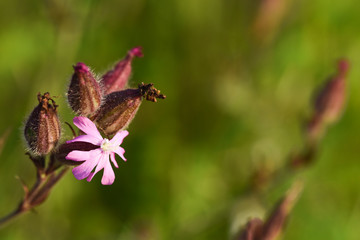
10,216
36,195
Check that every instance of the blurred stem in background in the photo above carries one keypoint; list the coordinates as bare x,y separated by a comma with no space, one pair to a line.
274,225
328,107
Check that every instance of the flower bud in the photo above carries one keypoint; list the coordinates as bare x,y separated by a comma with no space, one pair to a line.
119,108
329,102
42,129
117,78
84,94
331,99
276,222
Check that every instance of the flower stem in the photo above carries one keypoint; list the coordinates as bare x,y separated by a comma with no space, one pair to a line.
10,216
37,195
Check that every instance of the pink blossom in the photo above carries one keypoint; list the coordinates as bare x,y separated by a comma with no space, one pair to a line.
98,157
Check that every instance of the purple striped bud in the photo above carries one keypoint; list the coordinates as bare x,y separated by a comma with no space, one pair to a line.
119,108
84,94
42,129
117,78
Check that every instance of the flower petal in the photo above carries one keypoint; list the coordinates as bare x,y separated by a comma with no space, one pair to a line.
119,137
87,126
120,151
82,171
108,176
102,161
112,157
78,155
90,177
86,138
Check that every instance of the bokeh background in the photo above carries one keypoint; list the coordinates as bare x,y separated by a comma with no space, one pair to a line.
239,78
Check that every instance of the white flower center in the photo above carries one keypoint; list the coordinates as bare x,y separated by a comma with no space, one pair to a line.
107,146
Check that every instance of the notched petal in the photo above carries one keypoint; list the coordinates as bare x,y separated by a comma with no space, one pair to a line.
87,126
108,176
119,137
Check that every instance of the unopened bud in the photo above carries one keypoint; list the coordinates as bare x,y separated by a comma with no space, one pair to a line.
331,99
117,78
42,129
119,108
329,102
84,94
275,224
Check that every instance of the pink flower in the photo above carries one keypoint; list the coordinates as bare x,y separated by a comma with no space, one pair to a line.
98,157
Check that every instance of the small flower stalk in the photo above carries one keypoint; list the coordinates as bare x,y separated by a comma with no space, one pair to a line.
117,78
84,94
42,130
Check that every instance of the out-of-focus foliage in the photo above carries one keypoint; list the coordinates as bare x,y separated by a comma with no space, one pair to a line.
238,81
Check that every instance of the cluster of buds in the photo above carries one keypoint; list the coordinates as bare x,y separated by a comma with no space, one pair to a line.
107,102
104,105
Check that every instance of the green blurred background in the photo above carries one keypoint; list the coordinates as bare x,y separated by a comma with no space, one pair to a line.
238,76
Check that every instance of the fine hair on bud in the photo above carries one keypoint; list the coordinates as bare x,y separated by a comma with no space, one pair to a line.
42,129
84,93
118,110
